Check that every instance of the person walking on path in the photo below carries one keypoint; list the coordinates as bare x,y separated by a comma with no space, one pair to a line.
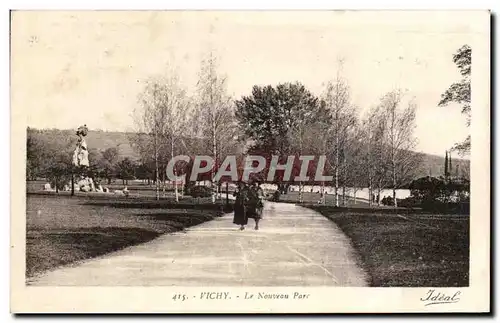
256,203
241,206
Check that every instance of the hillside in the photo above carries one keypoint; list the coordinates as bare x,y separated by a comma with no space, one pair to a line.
101,140
434,165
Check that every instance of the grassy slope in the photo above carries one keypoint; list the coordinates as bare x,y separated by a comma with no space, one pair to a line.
63,230
410,251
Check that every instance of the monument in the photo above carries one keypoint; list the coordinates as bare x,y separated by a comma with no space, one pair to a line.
81,162
81,154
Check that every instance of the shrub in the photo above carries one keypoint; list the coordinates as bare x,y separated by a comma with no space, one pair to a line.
409,202
200,191
388,201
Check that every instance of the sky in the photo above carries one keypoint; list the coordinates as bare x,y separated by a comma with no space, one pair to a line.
74,68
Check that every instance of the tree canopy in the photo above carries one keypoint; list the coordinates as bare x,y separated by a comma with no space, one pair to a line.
272,116
459,92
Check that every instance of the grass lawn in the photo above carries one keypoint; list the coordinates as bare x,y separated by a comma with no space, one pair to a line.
409,250
62,230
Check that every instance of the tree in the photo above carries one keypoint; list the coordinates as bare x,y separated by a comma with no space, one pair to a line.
59,172
446,170
450,167
374,155
305,111
322,129
459,92
353,170
173,112
107,163
35,154
399,139
278,120
148,123
58,161
343,117
125,170
214,116
160,119
143,171
141,143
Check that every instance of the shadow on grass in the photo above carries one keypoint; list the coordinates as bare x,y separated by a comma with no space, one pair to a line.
385,210
180,220
163,205
49,249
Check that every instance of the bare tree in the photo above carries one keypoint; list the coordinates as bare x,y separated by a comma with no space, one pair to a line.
160,119
214,117
353,170
148,124
373,159
174,112
338,102
399,138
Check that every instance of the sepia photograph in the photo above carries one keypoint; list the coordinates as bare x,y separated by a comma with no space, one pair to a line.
250,161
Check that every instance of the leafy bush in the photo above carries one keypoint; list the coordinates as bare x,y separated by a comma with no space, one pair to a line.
388,201
200,191
440,195
409,202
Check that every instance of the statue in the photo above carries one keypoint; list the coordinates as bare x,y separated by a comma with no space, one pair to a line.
81,153
81,161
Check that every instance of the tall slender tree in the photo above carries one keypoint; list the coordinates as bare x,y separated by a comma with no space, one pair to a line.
174,113
375,153
161,119
446,164
450,168
337,100
214,116
400,140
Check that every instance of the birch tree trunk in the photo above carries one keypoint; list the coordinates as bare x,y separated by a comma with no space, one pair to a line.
336,166
214,147
323,200
394,183
175,173
157,181
163,184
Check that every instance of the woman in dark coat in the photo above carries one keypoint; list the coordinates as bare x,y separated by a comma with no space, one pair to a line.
240,206
255,204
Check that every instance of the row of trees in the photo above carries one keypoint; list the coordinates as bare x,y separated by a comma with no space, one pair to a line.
284,120
373,150
170,122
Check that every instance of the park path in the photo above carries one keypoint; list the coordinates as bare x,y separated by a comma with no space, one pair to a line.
295,246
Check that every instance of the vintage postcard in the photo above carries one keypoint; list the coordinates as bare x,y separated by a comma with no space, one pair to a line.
250,161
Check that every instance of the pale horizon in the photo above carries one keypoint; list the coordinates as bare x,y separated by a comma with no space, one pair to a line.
88,67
